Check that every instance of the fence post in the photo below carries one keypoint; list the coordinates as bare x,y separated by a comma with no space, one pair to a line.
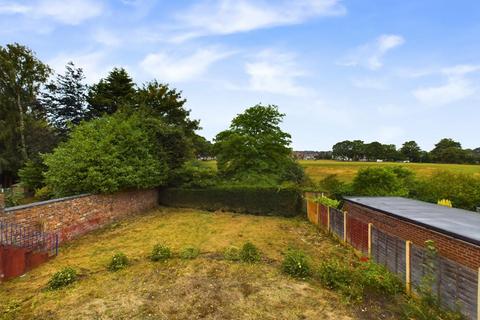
328,218
317,214
478,295
370,239
407,267
345,226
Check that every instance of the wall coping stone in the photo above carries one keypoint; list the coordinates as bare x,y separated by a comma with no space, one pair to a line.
41,203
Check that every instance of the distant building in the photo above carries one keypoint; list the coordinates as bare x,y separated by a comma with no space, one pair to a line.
312,155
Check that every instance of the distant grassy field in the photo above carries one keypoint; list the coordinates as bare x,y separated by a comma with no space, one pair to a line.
319,169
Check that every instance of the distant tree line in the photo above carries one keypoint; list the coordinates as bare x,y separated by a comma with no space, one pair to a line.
445,151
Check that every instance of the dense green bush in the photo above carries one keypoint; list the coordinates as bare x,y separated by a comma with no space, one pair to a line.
332,203
296,264
111,153
254,200
382,181
232,253
119,261
43,193
249,253
31,175
334,187
62,278
13,197
193,175
463,190
161,252
189,252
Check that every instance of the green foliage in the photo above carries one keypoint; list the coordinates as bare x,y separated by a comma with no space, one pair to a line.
232,253
249,253
332,203
422,309
241,199
160,252
355,280
10,310
254,148
189,252
448,151
44,193
194,175
119,261
382,181
411,151
62,278
296,264
110,94
31,175
13,197
463,190
109,154
334,187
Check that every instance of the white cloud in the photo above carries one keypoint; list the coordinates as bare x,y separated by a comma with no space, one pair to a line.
389,134
457,87
370,55
390,110
166,67
107,38
275,73
370,83
70,12
210,17
95,65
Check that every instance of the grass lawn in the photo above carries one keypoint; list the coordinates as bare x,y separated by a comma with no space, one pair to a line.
319,169
207,287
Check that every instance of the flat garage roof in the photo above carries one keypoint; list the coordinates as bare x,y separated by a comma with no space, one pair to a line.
458,223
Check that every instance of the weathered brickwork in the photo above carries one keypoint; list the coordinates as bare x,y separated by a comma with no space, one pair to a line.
455,249
75,216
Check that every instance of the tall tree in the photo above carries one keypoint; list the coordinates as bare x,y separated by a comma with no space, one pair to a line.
374,150
65,99
255,148
448,151
161,101
21,75
411,151
111,93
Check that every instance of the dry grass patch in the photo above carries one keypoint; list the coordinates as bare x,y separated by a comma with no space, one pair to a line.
207,287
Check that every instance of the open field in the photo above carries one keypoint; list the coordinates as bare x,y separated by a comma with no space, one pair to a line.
207,287
319,169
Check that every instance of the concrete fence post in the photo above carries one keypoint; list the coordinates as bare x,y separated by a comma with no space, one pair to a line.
370,225
345,226
408,286
478,295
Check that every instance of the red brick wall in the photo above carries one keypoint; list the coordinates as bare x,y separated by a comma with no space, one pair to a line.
75,216
448,247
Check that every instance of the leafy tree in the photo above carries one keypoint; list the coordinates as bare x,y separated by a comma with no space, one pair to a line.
382,181
448,151
111,93
343,150
254,148
31,175
374,150
21,75
411,151
391,153
202,147
159,100
65,99
109,154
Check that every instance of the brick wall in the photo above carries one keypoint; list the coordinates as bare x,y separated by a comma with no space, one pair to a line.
74,216
457,250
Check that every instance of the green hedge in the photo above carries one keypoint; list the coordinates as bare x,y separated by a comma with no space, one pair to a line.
253,200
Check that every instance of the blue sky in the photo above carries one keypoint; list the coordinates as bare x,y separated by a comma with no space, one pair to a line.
355,69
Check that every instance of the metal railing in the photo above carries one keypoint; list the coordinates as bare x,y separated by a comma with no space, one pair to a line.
24,237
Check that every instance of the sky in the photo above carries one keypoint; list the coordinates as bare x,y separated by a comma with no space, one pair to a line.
374,70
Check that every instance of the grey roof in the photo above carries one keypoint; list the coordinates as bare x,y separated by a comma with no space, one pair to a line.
458,223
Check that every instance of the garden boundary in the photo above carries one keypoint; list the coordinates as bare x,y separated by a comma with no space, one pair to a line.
456,284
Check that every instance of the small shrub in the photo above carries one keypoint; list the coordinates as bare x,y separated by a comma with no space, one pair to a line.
332,203
160,252
375,277
249,253
232,253
43,193
189,252
119,261
62,278
13,197
334,275
296,264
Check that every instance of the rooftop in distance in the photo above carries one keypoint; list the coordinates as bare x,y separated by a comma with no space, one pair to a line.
458,223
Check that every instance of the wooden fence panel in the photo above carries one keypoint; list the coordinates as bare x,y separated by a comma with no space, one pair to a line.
336,222
389,251
357,234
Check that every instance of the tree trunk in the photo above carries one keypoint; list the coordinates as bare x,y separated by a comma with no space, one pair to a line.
21,126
